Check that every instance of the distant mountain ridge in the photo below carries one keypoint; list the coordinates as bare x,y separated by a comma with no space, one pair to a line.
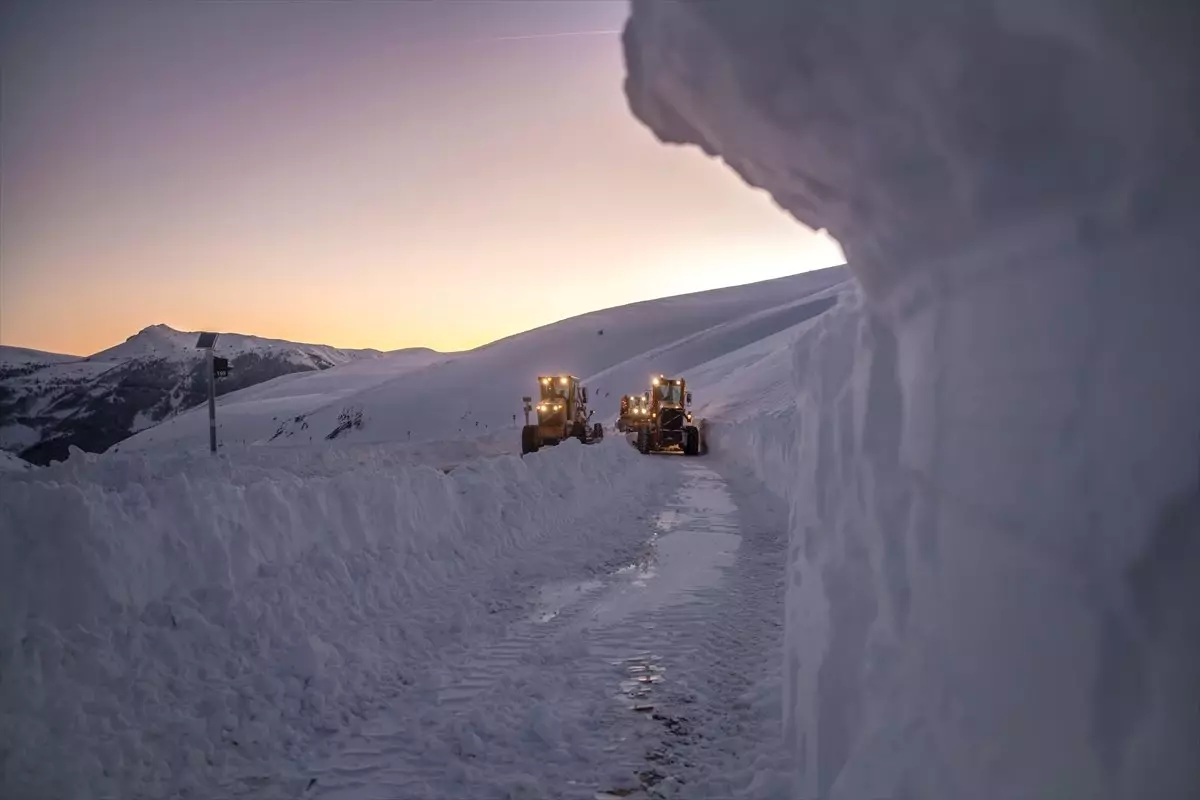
164,341
476,395
50,401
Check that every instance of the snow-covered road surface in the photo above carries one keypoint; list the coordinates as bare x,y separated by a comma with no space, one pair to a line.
654,678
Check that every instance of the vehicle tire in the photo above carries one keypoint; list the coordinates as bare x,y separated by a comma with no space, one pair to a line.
529,440
597,431
643,442
691,441
579,431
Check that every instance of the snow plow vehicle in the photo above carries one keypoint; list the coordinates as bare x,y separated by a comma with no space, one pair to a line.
669,426
635,412
562,413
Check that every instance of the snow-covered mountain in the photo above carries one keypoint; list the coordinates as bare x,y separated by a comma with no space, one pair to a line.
474,398
50,401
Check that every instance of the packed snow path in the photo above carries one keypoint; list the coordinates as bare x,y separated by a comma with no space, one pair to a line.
652,680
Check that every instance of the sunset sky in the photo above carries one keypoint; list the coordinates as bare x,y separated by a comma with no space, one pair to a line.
358,174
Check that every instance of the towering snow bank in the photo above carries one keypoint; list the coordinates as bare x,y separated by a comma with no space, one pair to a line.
166,624
992,457
910,129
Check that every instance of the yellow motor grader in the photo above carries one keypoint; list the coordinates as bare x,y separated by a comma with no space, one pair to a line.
562,413
670,427
635,412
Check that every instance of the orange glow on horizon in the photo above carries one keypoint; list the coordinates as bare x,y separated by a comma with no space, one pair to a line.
427,196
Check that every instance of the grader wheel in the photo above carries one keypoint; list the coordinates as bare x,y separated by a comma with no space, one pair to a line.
529,439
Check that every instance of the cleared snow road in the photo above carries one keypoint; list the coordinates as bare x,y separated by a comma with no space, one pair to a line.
655,679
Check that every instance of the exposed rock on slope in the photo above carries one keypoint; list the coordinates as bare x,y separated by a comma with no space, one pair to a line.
49,402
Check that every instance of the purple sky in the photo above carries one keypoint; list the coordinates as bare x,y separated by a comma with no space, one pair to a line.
366,174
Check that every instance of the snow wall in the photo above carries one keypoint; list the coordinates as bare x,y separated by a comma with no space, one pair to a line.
992,459
156,611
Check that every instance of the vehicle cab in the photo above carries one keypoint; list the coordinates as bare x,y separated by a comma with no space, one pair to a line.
669,408
561,401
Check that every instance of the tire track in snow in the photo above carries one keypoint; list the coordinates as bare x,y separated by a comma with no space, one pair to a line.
437,634
683,634
717,710
467,709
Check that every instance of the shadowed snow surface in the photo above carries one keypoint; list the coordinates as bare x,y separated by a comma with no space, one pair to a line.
991,456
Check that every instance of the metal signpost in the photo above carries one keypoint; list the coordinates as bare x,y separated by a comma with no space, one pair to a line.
206,342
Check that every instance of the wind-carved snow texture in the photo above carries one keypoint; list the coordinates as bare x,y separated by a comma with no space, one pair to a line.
193,625
992,462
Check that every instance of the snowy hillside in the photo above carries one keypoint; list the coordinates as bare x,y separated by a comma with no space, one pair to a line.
161,341
50,402
476,395
17,356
